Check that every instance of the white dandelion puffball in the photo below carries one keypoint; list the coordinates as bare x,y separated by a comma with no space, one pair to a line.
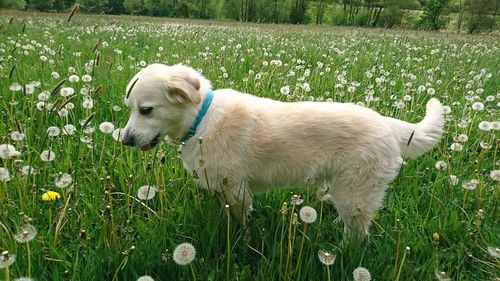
88,103
184,254
361,274
485,126
29,89
6,259
73,78
17,136
308,214
285,90
55,75
26,234
118,134
47,155
107,127
69,129
495,175
441,165
145,278
24,279
478,106
86,78
326,257
27,170
7,151
15,87
53,131
4,174
494,252
146,192
456,146
67,91
470,185
64,180
462,138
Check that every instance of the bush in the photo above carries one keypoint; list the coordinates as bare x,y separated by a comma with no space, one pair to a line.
482,24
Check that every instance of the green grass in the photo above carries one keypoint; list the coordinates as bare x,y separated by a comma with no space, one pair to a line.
100,230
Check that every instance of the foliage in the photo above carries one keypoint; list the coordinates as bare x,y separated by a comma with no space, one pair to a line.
432,14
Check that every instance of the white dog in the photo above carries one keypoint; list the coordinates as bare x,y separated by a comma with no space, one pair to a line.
238,144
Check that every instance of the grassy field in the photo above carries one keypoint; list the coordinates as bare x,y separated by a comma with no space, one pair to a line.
60,81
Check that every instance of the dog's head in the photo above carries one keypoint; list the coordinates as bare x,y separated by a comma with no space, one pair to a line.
162,100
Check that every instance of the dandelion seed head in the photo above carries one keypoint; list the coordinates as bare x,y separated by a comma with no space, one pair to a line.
86,78
308,214
47,155
494,252
107,127
485,126
15,87
7,151
4,174
184,254
326,257
28,170
73,78
441,165
145,278
453,180
118,134
495,175
297,199
69,129
64,180
6,259
146,192
478,106
53,131
361,274
26,234
67,91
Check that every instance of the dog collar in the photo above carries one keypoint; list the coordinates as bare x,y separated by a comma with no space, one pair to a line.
203,110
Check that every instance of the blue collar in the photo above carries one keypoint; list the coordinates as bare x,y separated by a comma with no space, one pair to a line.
203,110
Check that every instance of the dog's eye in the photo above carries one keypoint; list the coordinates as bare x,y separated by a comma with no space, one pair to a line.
145,110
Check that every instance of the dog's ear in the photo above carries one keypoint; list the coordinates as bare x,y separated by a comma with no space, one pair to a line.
182,87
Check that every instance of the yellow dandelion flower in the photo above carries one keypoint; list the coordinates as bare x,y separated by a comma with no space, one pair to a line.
50,196
435,236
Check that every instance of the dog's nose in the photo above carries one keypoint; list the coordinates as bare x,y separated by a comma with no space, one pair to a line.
128,139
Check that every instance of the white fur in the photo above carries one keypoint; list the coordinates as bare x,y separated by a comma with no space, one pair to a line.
251,144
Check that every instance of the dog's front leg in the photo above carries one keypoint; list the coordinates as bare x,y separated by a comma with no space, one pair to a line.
239,200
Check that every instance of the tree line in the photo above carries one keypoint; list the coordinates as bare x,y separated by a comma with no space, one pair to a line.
470,15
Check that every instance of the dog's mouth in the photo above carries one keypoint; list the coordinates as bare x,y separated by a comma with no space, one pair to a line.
151,144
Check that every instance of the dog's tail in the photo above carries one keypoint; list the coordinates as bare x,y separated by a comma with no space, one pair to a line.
417,139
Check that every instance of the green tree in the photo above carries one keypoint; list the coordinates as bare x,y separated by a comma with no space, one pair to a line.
41,5
432,12
16,4
135,7
298,12
95,6
482,14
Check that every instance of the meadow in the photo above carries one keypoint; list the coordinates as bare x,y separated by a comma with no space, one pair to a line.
72,200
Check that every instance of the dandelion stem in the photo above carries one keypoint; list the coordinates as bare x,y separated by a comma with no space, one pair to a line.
29,258
299,267
328,272
401,266
192,271
228,243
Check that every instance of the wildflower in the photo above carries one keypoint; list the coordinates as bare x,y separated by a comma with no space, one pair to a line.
285,90
69,129
6,259
63,112
446,109
4,174
67,91
15,87
145,278
27,233
421,88
361,274
326,258
456,146
453,180
431,91
495,175
85,139
118,134
27,170
86,78
55,75
462,138
478,106
29,89
107,127
435,236
441,276
116,108
24,279
297,200
47,155
470,185
50,196
8,151
88,103
441,165
184,254
494,252
64,180
485,145
73,78
284,208
495,125
146,192
53,131
485,126
308,214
